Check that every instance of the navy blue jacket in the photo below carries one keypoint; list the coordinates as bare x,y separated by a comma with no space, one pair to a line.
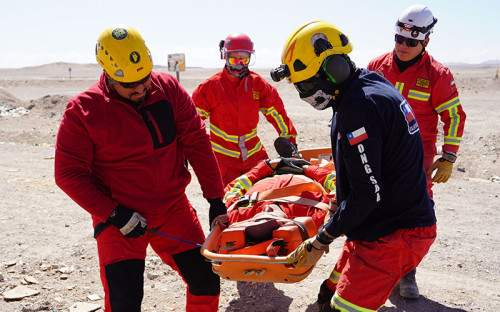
378,155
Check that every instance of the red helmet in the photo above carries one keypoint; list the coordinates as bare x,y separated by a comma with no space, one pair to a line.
235,42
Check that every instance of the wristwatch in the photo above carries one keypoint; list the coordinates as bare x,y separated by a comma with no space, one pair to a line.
448,157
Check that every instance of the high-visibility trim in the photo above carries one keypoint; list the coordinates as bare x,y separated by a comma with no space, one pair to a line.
204,114
329,183
454,102
254,150
417,95
334,277
346,306
223,135
284,130
452,141
451,107
219,149
242,185
250,135
400,86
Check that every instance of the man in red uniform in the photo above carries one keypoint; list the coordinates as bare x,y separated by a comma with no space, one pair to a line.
430,89
120,155
232,99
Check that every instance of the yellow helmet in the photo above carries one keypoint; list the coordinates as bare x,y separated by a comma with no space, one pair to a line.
308,46
123,54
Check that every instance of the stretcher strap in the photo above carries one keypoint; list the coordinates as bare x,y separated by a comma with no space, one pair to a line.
295,189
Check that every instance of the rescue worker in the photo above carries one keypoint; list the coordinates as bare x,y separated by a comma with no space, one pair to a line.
232,99
430,89
384,209
120,155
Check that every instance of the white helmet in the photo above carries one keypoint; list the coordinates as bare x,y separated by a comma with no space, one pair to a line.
416,22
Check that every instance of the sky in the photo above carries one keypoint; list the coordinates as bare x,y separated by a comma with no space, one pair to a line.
37,32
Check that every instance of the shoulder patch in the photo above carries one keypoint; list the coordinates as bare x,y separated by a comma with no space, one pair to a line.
409,116
423,83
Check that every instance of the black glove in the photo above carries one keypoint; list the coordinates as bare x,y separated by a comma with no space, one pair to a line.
291,165
129,222
217,208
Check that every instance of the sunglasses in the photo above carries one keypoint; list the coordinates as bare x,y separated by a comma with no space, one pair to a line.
306,86
409,42
238,61
130,85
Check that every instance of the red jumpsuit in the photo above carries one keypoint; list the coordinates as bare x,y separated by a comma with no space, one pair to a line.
109,153
260,178
430,89
233,105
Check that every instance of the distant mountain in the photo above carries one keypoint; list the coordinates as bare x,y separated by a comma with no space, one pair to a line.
489,63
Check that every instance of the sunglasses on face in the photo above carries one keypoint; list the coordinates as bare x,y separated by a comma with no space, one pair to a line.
130,85
409,42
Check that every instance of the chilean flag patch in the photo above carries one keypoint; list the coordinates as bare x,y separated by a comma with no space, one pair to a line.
357,136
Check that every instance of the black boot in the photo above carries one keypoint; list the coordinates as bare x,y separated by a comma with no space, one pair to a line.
408,286
324,297
285,148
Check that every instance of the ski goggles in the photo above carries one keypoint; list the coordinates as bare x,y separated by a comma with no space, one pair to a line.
238,61
409,42
130,85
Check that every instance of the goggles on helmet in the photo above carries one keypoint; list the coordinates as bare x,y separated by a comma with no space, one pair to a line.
409,42
238,61
416,29
130,85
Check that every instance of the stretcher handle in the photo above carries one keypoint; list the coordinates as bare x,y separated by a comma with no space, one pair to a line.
212,240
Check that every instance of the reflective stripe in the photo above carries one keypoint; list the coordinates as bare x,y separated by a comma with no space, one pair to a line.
219,149
448,105
344,305
254,150
451,106
334,277
285,132
417,95
221,134
452,141
203,114
329,183
242,185
400,86
243,148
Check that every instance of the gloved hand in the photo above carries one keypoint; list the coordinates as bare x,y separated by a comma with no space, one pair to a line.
129,222
444,169
289,165
311,250
217,208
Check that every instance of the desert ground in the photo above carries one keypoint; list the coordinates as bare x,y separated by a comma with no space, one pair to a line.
48,258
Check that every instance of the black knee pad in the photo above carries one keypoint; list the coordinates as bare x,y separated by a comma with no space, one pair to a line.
197,272
126,285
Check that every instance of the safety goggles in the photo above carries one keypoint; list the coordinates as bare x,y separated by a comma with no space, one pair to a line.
238,61
409,42
130,85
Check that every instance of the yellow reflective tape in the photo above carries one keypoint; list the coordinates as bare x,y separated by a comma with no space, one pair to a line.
221,134
284,131
242,185
254,150
329,183
219,149
417,95
204,114
345,306
454,102
399,86
334,277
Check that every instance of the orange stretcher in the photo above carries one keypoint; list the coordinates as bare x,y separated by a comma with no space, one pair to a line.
235,257
255,250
